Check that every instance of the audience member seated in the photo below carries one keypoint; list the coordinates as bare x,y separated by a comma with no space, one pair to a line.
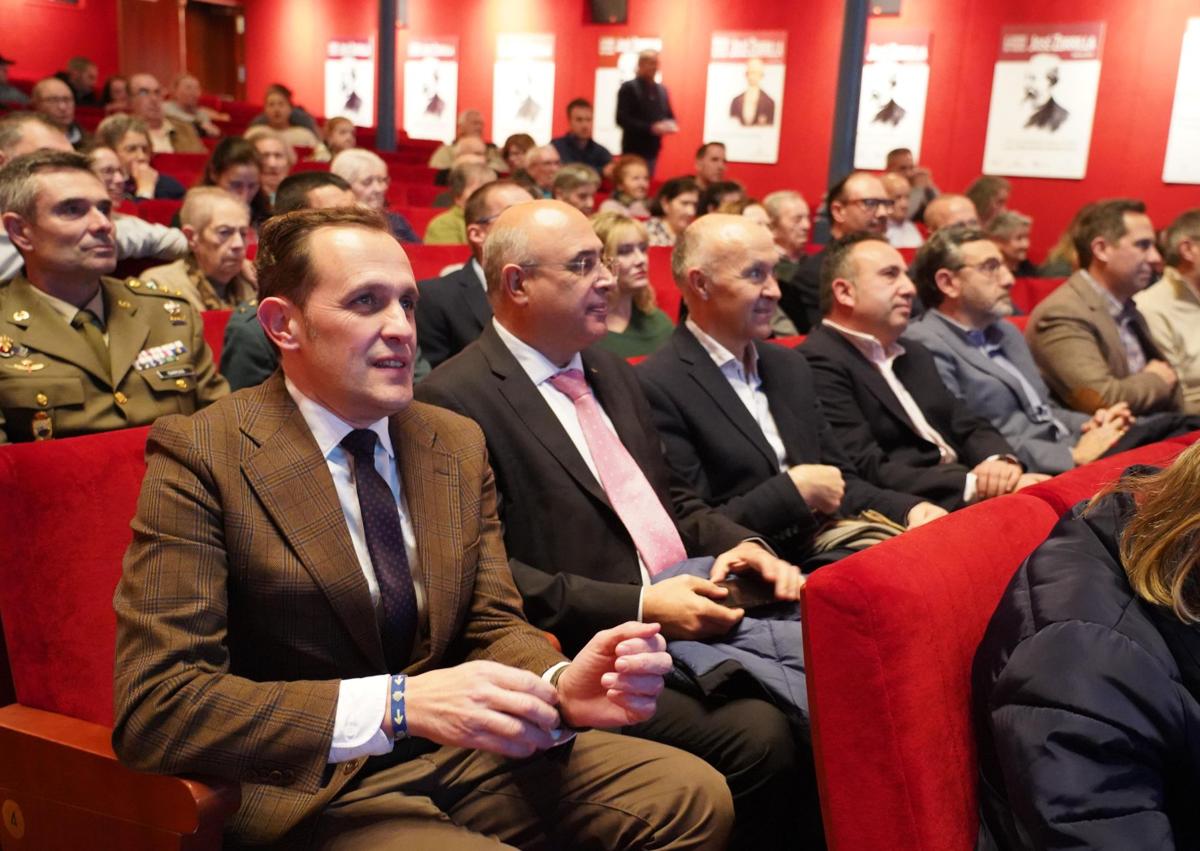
10,95
129,139
1172,306
631,182
989,194
450,227
586,506
374,658
136,237
716,194
23,133
889,410
1085,688
577,144
313,190
790,224
857,204
710,165
750,208
673,209
53,99
184,106
542,164
167,135
922,189
277,109
217,226
338,134
901,232
636,326
950,209
576,184
985,362
1010,231
234,167
470,123
368,177
454,308
84,352
81,75
114,97
516,148
739,418
1088,337
276,158
298,117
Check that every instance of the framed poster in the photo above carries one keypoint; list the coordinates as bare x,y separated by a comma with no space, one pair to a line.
431,88
350,80
891,108
744,98
617,64
523,86
1182,161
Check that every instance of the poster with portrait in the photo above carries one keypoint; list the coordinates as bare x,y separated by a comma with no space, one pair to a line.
523,86
895,80
744,100
431,87
1043,100
350,80
1182,162
616,65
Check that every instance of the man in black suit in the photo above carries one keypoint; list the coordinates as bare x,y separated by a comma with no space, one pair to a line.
858,203
454,308
740,418
578,557
885,401
753,107
644,111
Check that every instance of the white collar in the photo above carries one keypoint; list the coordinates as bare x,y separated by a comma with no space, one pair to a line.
868,344
327,428
721,355
537,366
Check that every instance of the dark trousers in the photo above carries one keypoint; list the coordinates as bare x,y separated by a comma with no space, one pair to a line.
766,760
1151,428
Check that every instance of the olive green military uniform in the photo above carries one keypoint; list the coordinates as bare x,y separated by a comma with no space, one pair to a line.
185,275
53,384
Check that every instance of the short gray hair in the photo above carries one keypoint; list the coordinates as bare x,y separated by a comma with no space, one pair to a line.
12,129
504,244
775,202
1185,227
1007,223
574,175
18,178
198,205
689,251
113,129
351,164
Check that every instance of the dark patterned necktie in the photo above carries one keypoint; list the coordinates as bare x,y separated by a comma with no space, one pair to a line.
385,543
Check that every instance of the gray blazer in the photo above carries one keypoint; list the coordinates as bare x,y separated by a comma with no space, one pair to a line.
1077,346
992,392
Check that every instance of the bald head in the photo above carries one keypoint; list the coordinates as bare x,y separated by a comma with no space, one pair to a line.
53,98
24,133
949,209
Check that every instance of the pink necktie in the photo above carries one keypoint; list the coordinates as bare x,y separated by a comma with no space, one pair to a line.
647,521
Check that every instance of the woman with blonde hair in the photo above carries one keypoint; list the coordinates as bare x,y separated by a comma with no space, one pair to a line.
636,326
1086,687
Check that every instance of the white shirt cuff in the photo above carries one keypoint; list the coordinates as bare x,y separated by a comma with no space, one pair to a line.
361,705
641,596
548,676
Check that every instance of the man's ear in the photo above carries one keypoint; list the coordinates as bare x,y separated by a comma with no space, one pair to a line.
843,292
699,283
1189,252
476,235
18,230
280,320
1101,249
512,282
947,283
190,234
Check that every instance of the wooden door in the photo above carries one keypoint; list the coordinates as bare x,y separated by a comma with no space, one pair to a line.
216,47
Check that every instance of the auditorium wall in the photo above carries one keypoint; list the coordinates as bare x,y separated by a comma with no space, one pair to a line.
42,36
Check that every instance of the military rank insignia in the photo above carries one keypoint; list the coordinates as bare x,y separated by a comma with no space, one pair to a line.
174,312
156,356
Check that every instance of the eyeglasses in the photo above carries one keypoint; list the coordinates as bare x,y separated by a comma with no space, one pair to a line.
582,267
990,267
874,204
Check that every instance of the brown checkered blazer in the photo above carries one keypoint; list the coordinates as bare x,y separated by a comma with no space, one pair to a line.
242,603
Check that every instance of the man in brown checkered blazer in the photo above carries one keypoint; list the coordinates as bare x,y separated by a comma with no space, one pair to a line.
269,561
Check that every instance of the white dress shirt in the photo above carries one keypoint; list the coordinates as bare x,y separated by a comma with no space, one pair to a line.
747,384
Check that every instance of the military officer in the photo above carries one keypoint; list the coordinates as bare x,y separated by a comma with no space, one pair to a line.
81,352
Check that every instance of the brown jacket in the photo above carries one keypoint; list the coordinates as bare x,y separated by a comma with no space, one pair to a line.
242,604
1077,346
184,138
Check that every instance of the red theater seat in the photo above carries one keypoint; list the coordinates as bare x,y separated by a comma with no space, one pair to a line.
889,637
158,210
214,330
1068,488
418,195
309,165
1027,292
429,260
402,172
791,342
65,507
665,292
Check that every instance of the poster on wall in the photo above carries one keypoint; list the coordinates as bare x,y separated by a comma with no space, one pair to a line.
895,80
523,86
431,88
617,64
1182,163
744,100
1044,100
350,80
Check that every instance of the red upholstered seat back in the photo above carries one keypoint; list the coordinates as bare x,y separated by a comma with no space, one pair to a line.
889,635
65,507
665,292
1027,292
214,330
429,260
1068,488
158,210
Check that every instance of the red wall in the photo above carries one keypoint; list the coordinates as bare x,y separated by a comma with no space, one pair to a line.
41,37
286,40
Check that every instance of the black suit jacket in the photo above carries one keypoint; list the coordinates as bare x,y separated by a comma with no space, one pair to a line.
877,434
573,560
764,110
451,312
639,105
800,290
715,445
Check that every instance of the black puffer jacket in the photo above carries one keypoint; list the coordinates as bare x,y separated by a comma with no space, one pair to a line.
1084,701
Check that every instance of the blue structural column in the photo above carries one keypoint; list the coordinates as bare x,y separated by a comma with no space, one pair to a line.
385,78
845,119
